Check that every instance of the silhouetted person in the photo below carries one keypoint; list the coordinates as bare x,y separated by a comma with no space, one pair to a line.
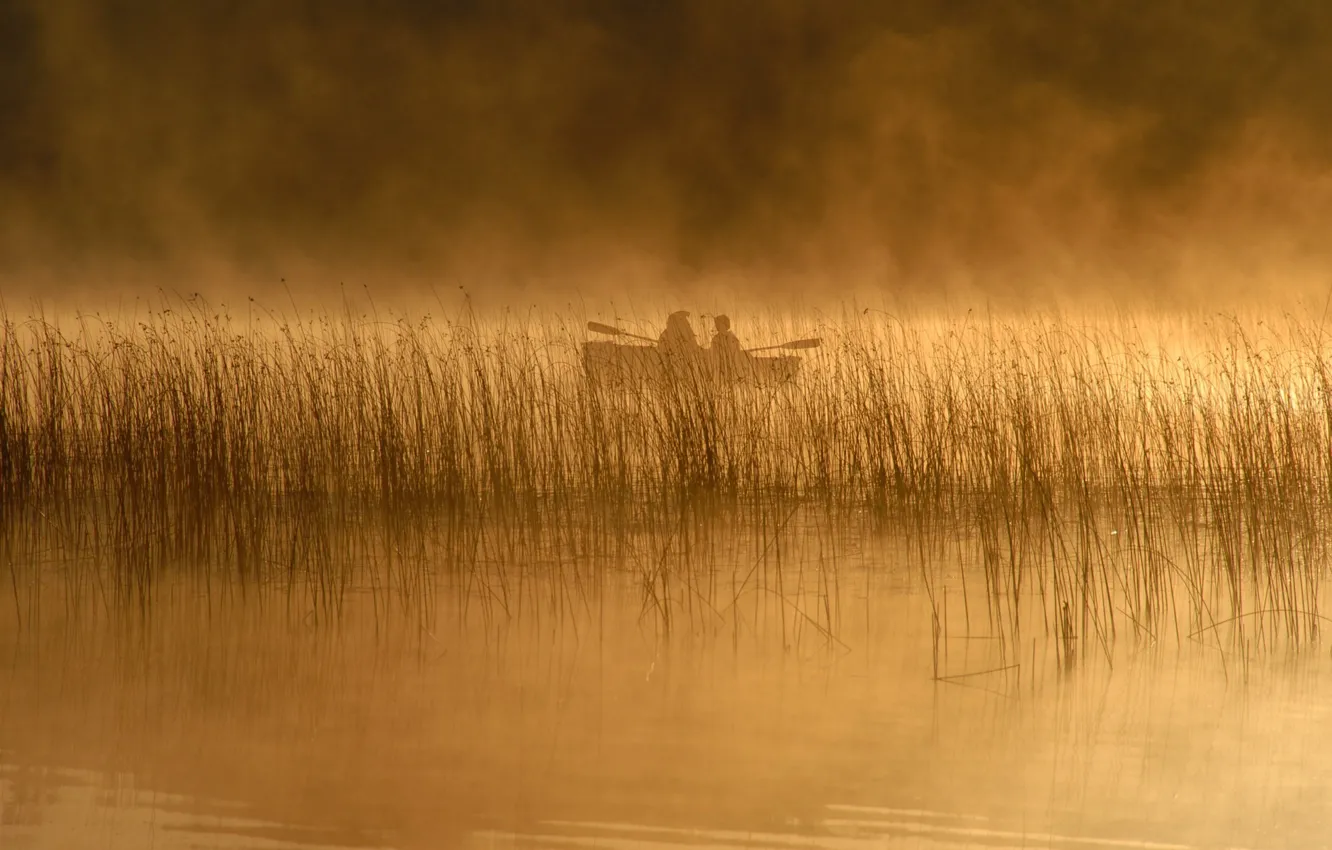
725,348
678,339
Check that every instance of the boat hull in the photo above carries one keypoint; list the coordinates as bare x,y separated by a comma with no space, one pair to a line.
627,365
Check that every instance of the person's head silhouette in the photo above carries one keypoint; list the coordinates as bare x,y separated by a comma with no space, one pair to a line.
679,334
723,323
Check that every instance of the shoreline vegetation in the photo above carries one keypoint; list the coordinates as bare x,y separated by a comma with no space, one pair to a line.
1123,479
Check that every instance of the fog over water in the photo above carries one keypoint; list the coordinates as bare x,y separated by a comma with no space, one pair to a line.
1168,152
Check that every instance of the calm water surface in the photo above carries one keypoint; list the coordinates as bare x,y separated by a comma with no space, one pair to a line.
582,718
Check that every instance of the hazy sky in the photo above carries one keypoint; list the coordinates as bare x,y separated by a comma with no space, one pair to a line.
525,143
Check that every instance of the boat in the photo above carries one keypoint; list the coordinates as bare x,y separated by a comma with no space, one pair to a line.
620,364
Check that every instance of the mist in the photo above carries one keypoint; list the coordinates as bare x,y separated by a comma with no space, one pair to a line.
1132,150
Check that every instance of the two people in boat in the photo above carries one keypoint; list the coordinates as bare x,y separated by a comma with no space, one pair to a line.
678,340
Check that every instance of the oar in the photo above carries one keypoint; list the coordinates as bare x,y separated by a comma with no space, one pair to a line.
614,331
789,346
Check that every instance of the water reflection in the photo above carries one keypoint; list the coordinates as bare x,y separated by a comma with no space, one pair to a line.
43,806
847,828
838,692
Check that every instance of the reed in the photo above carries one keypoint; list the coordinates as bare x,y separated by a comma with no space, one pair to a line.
1132,476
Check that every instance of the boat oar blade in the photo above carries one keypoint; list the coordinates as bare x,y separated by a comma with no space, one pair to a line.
803,343
598,327
789,346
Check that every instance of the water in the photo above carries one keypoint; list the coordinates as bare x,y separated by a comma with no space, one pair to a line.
806,708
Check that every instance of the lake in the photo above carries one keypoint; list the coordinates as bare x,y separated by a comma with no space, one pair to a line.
578,719
966,584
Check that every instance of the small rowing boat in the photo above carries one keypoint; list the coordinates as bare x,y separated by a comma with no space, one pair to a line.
672,360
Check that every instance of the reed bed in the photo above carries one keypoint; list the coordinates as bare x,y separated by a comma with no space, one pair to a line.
1135,476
